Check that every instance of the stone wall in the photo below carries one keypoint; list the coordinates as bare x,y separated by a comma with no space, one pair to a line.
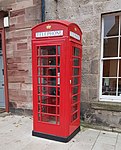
87,14
24,14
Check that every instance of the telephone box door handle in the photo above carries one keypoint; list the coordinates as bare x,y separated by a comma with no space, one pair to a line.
70,81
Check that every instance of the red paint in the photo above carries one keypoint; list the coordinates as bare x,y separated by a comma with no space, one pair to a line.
51,115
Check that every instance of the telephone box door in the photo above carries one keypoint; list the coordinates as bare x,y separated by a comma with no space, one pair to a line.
48,92
76,53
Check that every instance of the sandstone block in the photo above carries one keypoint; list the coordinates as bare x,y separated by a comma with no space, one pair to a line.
17,13
86,9
87,39
84,94
26,86
20,19
93,94
14,86
93,81
14,60
17,73
85,67
33,13
22,5
21,46
95,66
16,79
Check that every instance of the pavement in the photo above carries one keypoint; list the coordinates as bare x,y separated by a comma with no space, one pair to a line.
15,134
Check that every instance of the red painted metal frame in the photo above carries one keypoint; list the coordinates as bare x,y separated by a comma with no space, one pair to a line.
2,31
67,44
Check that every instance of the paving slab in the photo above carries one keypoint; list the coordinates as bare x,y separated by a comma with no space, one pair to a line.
16,134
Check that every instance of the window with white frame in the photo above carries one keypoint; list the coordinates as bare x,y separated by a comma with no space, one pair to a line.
111,58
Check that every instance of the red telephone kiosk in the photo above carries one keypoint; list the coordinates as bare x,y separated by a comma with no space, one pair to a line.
56,61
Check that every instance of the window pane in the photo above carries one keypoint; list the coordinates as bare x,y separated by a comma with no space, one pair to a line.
119,68
119,87
74,108
49,90
58,50
48,81
48,61
109,86
48,50
74,117
110,68
48,100
48,71
75,98
76,51
75,90
110,47
111,25
120,48
76,62
75,71
48,118
75,81
49,109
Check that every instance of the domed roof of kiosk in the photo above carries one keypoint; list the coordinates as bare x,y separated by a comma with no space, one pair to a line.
64,22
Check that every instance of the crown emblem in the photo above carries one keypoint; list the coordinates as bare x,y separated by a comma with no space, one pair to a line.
48,26
75,29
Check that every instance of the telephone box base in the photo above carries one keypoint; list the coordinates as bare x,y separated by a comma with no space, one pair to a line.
56,138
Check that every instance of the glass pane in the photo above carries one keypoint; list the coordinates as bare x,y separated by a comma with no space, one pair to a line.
109,86
39,81
48,81
74,108
38,89
38,117
58,100
58,110
111,25
75,81
58,61
48,61
58,120
48,50
74,117
76,51
48,71
52,90
58,92
38,51
75,90
38,71
48,100
119,87
38,63
119,68
39,108
75,71
0,44
76,62
120,48
75,98
110,68
38,98
49,90
49,109
49,119
58,50
110,47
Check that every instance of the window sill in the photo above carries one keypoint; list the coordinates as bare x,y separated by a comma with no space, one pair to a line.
109,106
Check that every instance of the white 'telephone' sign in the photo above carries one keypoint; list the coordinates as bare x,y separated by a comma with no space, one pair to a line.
50,33
74,35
